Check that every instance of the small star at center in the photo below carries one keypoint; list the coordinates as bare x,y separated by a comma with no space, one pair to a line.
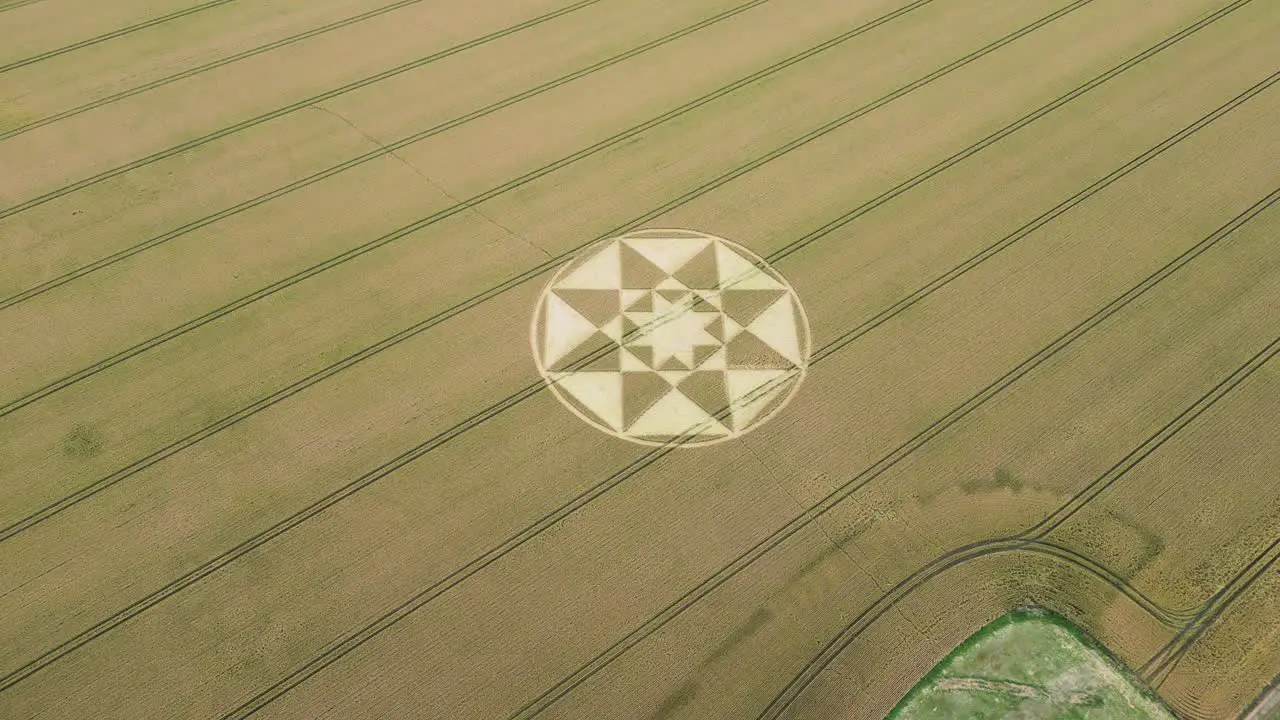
673,330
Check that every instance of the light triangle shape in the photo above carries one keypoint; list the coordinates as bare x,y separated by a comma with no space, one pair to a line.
676,414
736,272
598,306
630,298
745,382
563,329
777,326
670,254
674,377
628,362
731,328
671,283
613,329
712,298
599,392
602,271
632,327
745,410
717,361
663,305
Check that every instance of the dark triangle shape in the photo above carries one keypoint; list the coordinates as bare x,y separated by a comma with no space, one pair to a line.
701,305
748,352
643,353
630,330
701,270
591,350
708,390
715,329
675,296
609,361
640,390
643,305
637,272
598,306
746,305
673,364
702,352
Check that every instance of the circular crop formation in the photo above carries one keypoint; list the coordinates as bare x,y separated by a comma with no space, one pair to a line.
671,336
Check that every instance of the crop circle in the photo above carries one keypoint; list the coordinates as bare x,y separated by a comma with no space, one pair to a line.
671,337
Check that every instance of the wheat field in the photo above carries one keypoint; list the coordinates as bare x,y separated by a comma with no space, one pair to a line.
273,441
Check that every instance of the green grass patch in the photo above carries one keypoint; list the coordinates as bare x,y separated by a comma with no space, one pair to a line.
1030,664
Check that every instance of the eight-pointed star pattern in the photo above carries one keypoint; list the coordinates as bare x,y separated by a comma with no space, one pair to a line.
671,336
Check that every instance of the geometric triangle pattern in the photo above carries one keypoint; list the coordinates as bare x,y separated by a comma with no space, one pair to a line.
671,337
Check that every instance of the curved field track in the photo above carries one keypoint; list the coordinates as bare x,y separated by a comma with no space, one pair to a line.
273,441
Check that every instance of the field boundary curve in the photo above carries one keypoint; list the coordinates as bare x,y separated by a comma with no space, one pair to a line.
920,577
846,490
